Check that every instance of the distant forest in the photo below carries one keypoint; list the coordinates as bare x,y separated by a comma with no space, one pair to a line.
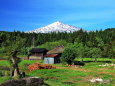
104,40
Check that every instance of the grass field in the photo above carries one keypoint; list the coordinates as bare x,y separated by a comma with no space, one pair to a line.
69,76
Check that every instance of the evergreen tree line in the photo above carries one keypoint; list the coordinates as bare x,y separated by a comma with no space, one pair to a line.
101,41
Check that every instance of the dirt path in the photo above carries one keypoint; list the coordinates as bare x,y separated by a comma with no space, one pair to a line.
2,60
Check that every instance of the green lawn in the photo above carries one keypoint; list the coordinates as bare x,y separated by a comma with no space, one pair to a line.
69,76
4,63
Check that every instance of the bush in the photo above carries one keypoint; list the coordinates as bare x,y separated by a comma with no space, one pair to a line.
51,45
68,56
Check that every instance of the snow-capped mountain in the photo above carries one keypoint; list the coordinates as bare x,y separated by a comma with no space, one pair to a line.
55,27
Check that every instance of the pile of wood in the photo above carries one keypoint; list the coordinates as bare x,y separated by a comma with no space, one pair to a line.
37,66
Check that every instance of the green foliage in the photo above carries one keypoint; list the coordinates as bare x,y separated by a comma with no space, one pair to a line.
99,42
109,49
80,50
94,53
68,55
51,45
2,51
104,40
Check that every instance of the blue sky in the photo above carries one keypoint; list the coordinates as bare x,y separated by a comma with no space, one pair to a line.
25,15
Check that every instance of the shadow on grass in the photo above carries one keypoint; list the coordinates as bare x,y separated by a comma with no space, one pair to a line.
80,63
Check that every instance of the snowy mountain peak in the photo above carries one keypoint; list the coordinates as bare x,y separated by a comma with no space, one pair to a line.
58,23
55,27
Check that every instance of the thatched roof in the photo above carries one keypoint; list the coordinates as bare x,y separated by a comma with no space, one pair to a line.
50,55
38,50
56,50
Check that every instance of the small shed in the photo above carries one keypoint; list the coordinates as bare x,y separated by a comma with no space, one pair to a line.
53,56
51,59
37,53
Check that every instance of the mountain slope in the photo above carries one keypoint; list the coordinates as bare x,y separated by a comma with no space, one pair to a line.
55,27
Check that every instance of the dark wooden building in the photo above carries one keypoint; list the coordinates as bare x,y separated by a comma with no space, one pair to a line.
37,53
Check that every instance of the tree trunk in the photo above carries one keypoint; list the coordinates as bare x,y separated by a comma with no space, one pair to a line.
14,70
15,73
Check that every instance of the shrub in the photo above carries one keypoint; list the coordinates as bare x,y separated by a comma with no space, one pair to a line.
68,56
